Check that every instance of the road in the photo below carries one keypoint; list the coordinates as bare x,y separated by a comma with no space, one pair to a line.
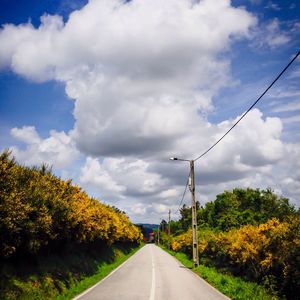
152,274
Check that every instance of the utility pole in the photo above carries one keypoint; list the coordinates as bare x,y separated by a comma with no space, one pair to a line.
158,234
194,210
194,216
169,229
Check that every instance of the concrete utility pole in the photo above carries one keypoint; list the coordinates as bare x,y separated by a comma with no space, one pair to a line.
169,229
158,234
194,210
194,216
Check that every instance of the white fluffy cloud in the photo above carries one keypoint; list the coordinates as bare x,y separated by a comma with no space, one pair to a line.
114,175
95,176
245,158
138,71
58,150
142,75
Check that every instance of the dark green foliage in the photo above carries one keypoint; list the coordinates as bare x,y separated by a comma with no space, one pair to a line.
233,235
175,228
163,226
52,234
243,206
147,230
185,222
62,276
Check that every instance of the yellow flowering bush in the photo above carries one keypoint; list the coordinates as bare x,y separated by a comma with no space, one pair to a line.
269,252
37,209
183,242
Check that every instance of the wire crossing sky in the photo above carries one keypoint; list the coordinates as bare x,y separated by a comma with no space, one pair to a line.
183,195
106,91
245,113
236,123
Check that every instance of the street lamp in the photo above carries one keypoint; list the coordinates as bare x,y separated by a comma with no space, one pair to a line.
194,211
176,158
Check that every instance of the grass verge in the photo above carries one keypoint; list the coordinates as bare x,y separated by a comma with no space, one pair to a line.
61,277
233,287
103,270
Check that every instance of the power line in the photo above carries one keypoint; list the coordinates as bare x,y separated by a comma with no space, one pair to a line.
183,195
235,124
245,113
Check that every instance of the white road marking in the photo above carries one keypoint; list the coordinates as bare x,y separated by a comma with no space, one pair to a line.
152,292
115,270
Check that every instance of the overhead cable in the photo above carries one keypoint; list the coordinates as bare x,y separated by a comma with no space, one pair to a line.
183,195
245,113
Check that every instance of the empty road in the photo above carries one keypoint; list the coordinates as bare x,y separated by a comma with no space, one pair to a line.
152,274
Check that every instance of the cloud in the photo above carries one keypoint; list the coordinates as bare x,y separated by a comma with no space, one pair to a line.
291,119
27,135
142,75
288,174
276,37
139,209
129,176
58,150
138,71
93,175
273,6
292,106
252,146
284,94
31,52
296,72
271,35
245,158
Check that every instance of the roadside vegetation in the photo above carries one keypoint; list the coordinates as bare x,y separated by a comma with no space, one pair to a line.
234,287
61,276
53,235
245,233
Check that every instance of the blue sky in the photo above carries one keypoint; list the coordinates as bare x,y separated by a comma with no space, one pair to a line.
106,91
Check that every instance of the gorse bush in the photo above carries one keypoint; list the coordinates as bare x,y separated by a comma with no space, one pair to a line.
267,253
251,233
41,211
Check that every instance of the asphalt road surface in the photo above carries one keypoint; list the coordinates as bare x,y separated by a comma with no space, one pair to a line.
152,274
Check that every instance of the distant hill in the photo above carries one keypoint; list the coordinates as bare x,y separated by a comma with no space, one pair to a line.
146,225
147,228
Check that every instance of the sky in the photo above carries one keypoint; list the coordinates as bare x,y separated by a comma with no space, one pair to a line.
106,91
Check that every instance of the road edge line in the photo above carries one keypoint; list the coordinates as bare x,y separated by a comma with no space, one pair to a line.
107,276
196,274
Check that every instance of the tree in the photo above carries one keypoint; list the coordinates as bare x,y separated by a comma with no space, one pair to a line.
163,226
186,217
244,206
